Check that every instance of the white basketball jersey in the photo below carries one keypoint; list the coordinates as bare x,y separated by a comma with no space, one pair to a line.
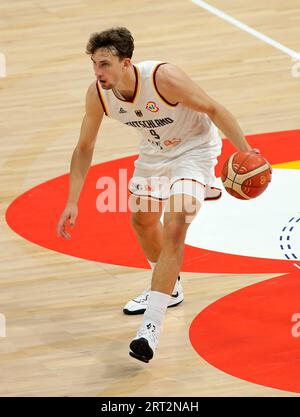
166,129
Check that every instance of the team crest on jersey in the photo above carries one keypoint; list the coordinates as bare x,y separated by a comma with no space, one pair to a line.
151,106
138,113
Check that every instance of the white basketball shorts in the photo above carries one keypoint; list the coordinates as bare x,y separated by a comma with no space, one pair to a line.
192,173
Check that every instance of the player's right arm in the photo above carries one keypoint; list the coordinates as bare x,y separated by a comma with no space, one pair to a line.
81,158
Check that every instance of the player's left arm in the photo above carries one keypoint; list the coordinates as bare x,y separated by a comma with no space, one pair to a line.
176,87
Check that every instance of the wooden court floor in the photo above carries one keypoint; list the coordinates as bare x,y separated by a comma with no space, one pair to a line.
65,331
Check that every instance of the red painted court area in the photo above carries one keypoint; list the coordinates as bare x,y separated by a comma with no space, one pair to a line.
247,334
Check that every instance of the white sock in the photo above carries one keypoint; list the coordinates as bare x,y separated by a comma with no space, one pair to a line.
156,308
152,264
177,284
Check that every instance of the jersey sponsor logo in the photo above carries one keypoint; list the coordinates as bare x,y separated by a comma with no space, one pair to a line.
138,113
151,124
172,142
122,110
151,106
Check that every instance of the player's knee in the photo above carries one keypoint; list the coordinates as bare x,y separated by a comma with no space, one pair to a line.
142,221
175,231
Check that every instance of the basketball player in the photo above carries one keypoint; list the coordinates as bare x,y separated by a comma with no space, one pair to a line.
177,122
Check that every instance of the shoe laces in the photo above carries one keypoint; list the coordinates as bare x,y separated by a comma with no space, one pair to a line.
143,297
145,294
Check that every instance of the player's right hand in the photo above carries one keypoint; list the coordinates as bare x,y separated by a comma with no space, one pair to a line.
69,214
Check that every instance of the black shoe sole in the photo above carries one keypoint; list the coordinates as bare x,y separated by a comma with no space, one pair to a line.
133,313
139,358
141,350
142,310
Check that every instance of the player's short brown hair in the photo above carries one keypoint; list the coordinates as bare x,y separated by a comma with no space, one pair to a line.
118,40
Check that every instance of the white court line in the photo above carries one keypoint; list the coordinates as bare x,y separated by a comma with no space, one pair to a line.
240,25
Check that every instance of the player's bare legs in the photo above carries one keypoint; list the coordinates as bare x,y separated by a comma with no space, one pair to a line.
174,231
175,226
147,226
145,220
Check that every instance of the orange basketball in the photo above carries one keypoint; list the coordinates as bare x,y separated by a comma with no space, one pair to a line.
246,175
